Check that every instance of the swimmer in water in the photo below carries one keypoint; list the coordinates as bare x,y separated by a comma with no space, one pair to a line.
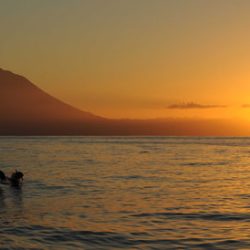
16,179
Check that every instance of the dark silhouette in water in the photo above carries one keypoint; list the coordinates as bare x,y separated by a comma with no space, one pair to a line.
16,179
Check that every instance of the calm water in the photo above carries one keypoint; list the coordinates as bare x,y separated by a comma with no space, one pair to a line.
126,193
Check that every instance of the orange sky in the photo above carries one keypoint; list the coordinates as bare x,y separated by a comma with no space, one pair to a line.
136,59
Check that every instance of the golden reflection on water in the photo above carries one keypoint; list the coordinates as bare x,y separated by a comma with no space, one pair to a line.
165,188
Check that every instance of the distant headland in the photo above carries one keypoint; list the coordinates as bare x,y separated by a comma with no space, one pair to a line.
25,109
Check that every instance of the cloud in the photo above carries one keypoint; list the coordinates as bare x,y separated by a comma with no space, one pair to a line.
192,105
245,106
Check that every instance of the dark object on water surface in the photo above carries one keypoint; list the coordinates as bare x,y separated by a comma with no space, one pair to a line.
16,178
2,176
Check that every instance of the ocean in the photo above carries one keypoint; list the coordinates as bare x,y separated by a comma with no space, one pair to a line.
126,193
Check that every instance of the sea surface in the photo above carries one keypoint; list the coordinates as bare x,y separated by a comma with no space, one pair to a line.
126,193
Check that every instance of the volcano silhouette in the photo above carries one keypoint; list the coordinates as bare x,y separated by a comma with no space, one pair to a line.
26,109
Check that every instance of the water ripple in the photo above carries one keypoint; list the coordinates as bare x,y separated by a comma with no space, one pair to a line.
198,216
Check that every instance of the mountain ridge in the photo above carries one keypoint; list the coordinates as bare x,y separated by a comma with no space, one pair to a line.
25,109
24,93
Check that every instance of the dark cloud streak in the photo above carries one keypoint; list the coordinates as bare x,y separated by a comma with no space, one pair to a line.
192,105
245,105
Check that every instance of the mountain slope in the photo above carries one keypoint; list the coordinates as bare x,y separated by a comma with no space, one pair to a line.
20,99
24,108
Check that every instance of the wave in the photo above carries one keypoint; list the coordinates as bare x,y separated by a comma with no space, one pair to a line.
200,164
199,216
63,238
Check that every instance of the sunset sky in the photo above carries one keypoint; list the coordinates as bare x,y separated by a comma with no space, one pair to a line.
133,58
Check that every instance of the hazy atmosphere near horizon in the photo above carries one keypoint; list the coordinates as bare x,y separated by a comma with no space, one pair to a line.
124,124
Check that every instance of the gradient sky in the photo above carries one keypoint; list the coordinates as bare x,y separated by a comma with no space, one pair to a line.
133,58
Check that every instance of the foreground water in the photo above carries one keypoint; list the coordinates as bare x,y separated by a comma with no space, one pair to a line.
126,193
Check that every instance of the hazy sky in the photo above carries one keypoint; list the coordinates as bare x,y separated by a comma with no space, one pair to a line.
133,58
